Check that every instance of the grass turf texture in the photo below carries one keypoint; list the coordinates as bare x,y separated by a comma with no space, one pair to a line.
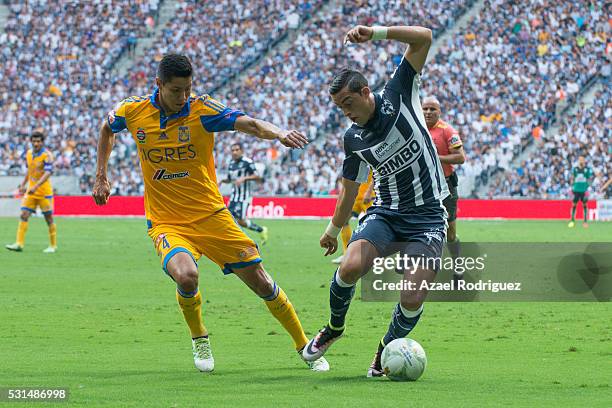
100,318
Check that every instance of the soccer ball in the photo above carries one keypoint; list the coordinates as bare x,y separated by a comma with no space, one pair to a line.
403,360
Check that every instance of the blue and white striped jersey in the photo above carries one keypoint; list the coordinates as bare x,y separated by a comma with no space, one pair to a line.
241,168
396,145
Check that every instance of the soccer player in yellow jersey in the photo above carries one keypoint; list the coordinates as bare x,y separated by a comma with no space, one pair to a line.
38,192
364,200
186,215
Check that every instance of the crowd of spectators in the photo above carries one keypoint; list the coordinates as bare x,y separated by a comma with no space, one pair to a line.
290,88
56,75
501,80
547,171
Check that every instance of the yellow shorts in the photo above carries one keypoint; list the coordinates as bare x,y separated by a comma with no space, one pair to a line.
29,203
217,237
360,207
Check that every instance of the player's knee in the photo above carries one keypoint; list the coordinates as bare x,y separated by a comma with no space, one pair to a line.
351,270
24,216
49,220
413,301
187,278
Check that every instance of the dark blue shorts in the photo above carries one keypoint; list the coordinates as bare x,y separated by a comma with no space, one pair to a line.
420,233
238,209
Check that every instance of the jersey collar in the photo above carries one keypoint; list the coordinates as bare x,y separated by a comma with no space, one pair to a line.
163,119
372,124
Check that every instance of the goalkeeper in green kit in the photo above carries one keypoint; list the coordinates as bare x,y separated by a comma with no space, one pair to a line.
581,177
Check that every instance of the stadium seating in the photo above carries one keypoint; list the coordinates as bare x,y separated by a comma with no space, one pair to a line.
501,82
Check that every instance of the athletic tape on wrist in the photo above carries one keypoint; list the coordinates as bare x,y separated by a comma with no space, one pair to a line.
380,33
332,230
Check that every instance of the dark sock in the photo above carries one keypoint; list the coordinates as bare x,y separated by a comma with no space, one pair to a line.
254,227
401,324
573,212
340,296
454,247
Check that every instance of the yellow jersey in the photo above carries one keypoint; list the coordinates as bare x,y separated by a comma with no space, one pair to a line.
176,154
363,188
38,164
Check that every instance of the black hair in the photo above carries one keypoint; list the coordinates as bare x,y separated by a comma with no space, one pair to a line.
37,135
237,144
174,65
347,77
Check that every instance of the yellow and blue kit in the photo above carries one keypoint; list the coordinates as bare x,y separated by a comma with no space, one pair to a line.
38,164
185,210
360,206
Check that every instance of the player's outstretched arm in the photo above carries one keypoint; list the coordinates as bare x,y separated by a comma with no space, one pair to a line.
418,39
101,189
344,206
268,131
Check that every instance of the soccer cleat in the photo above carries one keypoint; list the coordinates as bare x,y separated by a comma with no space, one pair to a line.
264,235
202,354
338,260
14,247
585,225
321,342
319,365
571,224
49,250
376,369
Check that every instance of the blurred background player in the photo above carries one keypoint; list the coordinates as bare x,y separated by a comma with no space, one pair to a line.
450,151
364,200
186,214
581,178
388,135
38,192
241,172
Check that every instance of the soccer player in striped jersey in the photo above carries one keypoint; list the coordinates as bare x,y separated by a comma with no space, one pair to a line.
38,193
242,173
388,135
186,215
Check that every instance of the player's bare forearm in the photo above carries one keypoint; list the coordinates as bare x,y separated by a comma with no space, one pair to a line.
268,131
453,158
345,202
101,189
413,35
418,39
44,178
106,142
24,183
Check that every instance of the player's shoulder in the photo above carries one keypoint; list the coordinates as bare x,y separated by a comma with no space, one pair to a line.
205,105
48,154
129,104
247,160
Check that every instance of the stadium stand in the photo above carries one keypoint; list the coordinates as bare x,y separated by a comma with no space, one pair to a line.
501,82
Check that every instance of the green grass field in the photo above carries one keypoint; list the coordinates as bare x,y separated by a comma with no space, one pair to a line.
100,318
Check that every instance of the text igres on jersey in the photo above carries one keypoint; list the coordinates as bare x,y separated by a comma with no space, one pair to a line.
158,155
401,159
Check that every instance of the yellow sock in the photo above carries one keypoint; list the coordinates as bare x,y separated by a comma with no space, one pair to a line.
21,231
283,310
346,236
192,311
53,235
